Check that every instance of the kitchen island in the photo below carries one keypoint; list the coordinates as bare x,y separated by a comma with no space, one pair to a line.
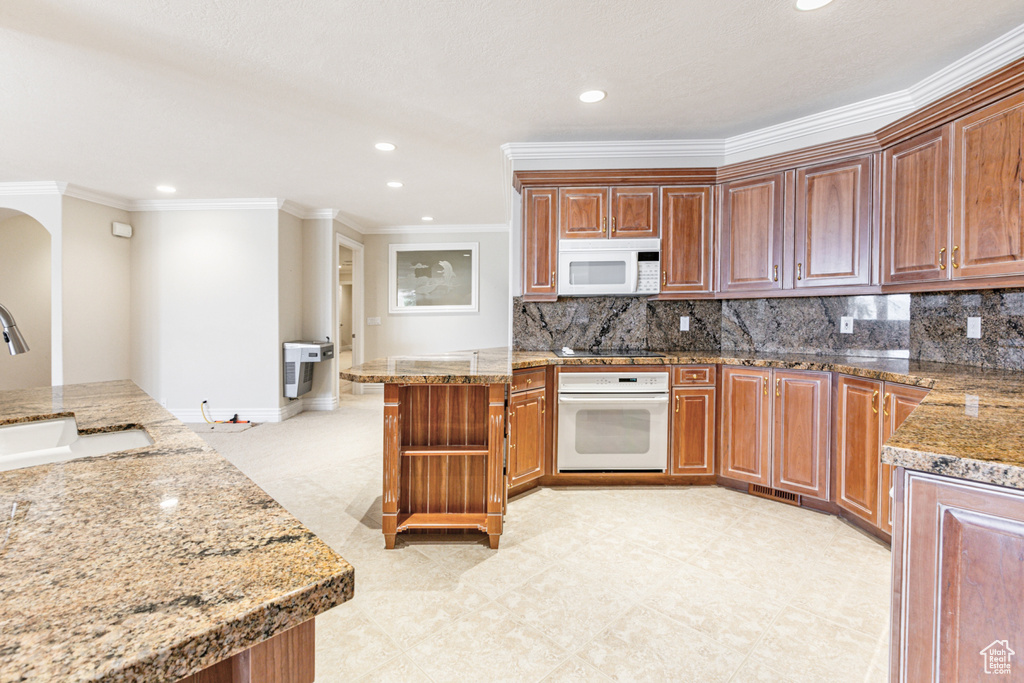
151,564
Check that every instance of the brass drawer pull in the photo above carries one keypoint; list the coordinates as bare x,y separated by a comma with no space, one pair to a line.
874,403
942,258
664,278
543,404
775,276
764,381
529,381
604,223
955,264
799,271
777,380
677,403
885,404
613,225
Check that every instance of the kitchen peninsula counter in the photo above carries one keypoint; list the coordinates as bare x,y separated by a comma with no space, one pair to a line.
149,564
970,426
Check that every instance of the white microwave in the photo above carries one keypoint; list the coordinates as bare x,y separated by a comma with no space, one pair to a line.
605,267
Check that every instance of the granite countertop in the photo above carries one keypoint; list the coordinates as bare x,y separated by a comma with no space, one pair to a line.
148,564
970,426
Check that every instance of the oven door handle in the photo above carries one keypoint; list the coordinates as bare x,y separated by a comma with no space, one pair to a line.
628,398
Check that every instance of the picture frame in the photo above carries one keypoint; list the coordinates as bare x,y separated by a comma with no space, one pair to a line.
437,278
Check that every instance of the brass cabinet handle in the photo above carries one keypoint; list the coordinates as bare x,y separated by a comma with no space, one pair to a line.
664,278
543,404
529,381
955,264
874,403
604,223
942,258
511,415
777,380
613,225
552,278
885,404
677,403
764,381
775,276
799,271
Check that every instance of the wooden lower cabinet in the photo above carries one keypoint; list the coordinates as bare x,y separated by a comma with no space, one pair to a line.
692,430
746,439
858,446
897,404
958,581
288,657
527,436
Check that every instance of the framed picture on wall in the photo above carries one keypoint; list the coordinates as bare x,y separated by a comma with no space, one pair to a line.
434,278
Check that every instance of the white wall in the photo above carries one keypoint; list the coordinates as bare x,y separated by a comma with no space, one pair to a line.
97,294
405,334
290,284
25,291
204,311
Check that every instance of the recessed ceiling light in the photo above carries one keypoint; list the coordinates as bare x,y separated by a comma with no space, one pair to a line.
165,188
427,218
385,146
593,96
394,183
808,5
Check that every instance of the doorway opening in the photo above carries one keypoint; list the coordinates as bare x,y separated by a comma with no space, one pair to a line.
348,308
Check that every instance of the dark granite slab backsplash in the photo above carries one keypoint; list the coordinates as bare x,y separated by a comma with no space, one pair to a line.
928,326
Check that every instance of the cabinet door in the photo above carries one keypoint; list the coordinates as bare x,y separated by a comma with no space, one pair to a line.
693,430
897,404
801,445
958,581
752,222
988,230
583,212
634,212
746,425
916,220
858,446
540,241
833,224
527,419
686,245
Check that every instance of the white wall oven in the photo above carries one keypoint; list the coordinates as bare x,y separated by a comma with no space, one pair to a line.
612,421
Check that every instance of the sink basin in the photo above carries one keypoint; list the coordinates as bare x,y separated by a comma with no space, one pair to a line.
47,441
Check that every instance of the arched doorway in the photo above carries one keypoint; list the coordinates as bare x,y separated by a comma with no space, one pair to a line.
25,290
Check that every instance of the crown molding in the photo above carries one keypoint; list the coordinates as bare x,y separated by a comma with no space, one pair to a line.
350,223
788,134
202,204
329,214
34,187
422,230
300,211
96,197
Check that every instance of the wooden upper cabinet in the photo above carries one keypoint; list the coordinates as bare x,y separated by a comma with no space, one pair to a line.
752,233
833,224
686,239
634,212
801,445
693,430
897,404
540,242
746,439
916,217
527,436
858,446
988,225
583,212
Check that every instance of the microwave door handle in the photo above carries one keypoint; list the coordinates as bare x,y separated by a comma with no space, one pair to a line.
634,275
626,398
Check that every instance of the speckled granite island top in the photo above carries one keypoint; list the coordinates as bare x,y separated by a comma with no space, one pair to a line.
149,564
970,426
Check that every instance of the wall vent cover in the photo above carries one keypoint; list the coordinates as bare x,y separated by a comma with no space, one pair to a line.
773,494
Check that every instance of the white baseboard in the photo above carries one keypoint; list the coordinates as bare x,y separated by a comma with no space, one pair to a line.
320,403
194,416
368,388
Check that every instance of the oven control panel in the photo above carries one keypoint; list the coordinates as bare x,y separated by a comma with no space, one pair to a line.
612,382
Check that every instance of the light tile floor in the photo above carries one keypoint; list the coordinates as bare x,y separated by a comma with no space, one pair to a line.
681,584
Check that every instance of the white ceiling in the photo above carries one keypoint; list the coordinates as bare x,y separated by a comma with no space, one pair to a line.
259,98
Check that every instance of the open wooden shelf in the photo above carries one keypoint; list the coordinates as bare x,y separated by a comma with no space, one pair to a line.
471,449
446,520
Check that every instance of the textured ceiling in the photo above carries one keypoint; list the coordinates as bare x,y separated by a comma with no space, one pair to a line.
252,98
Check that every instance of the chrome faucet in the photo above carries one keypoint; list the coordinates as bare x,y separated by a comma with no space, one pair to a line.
15,342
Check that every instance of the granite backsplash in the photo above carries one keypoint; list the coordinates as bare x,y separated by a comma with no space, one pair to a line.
929,326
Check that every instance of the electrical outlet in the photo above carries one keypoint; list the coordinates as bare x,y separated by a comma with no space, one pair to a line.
846,324
973,327
684,323
372,321
971,405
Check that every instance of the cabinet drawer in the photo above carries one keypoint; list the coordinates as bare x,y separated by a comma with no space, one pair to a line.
523,380
693,374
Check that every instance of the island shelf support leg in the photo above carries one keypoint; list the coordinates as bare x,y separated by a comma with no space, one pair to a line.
392,465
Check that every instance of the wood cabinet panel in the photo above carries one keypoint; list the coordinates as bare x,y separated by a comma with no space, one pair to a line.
833,224
897,404
752,233
634,212
916,220
958,580
858,443
686,239
746,425
524,380
693,430
693,374
800,456
540,242
988,199
527,436
583,212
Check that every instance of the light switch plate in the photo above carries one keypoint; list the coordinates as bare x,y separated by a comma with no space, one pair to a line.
973,327
971,405
373,321
846,325
684,323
